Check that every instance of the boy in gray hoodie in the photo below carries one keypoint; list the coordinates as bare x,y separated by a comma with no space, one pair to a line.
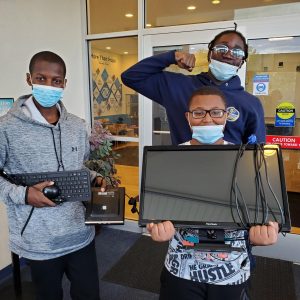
39,135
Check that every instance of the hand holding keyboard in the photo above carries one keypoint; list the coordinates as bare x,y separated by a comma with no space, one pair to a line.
72,185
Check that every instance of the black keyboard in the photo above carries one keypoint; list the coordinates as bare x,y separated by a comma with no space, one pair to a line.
73,185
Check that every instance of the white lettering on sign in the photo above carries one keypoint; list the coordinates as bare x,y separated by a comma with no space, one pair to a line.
283,140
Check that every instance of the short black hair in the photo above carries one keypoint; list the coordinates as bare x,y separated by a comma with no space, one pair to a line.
207,90
212,43
48,56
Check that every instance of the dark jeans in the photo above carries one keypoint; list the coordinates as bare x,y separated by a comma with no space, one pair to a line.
173,287
80,268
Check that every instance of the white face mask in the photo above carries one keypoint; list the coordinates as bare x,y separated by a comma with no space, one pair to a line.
207,134
221,70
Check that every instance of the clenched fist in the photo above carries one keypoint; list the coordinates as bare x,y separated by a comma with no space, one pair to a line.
185,60
264,235
161,232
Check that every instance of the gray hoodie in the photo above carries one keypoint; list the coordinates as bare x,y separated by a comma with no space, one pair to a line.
27,146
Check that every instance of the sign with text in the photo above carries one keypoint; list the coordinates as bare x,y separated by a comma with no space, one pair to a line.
261,84
285,115
286,142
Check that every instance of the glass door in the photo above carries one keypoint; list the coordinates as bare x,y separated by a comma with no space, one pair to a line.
154,122
272,69
273,75
161,132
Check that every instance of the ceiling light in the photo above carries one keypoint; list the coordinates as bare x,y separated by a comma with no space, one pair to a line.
215,1
148,25
283,38
191,7
129,15
125,52
107,48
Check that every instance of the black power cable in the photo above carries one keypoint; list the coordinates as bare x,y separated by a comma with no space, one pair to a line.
262,207
272,192
234,191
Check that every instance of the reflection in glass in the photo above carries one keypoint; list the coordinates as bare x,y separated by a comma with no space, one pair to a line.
279,61
165,13
161,131
191,186
128,153
128,171
114,104
111,16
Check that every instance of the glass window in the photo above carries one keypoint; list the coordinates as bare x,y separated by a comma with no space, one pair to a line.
273,75
111,16
116,105
275,64
112,102
161,131
127,166
165,13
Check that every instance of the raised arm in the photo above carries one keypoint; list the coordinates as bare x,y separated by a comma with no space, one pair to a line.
148,77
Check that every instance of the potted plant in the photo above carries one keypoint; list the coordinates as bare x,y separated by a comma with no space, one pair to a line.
102,160
102,157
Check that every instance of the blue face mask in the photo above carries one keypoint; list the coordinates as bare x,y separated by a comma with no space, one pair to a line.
207,134
222,71
45,95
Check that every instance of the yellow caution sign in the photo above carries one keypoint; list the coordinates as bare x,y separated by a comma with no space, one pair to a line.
285,115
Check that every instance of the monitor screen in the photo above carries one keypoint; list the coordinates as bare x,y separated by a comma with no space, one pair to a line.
202,186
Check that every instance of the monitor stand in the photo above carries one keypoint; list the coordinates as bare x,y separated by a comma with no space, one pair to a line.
215,236
211,240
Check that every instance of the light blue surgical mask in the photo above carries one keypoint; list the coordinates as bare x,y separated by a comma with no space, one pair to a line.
207,134
221,70
45,95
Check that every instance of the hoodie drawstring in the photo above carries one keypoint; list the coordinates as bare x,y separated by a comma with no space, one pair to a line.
58,158
60,165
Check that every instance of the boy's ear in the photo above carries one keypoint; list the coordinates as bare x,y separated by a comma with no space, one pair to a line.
28,79
65,82
186,115
187,118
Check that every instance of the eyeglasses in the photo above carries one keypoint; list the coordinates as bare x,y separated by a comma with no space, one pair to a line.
235,52
214,113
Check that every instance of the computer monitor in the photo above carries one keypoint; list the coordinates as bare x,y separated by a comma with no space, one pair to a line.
206,186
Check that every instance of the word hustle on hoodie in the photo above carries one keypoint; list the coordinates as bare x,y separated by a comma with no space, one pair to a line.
206,273
203,272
